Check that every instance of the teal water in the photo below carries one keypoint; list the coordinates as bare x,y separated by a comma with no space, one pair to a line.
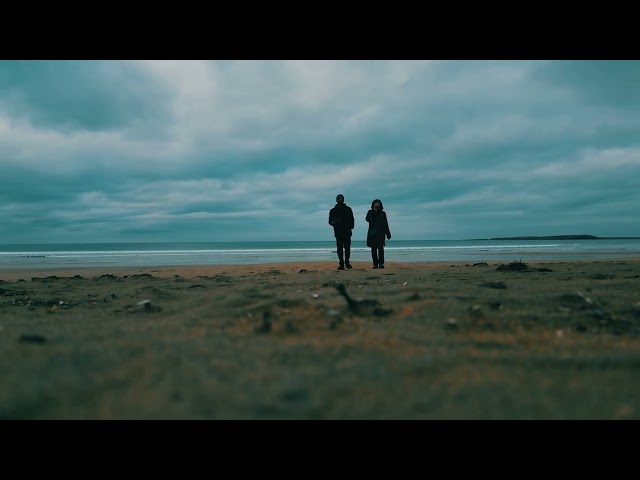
241,253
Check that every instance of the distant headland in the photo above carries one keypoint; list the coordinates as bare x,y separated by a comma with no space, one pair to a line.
565,237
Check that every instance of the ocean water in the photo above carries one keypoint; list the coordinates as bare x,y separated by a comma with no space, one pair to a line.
37,256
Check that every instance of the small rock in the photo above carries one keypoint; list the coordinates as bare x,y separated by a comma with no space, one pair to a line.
147,307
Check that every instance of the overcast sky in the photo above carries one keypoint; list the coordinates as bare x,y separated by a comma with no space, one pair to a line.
117,151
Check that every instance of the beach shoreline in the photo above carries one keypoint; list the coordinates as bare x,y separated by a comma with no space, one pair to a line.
192,271
552,339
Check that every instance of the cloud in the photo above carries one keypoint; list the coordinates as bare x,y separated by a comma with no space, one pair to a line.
80,95
232,150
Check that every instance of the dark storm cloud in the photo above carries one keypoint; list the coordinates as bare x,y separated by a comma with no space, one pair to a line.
84,95
161,150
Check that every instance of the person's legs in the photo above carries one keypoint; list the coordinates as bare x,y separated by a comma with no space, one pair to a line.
381,257
347,251
340,246
374,256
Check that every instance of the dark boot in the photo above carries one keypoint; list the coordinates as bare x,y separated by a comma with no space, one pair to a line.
374,257
347,253
341,266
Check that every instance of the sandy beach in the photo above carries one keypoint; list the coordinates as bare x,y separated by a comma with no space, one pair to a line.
426,340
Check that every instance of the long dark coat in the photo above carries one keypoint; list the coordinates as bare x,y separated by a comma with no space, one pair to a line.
378,227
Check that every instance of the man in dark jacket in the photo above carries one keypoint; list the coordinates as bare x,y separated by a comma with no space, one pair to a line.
341,219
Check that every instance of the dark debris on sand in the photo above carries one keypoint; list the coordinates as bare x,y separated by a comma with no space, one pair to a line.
7,292
265,326
362,307
31,338
498,285
519,266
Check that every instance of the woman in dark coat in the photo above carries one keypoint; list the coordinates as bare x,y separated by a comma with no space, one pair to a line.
378,229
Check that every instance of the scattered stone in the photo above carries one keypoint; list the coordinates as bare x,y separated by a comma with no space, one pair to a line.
61,304
475,311
602,276
576,299
147,307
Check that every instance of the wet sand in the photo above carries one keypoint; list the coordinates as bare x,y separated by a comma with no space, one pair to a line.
424,340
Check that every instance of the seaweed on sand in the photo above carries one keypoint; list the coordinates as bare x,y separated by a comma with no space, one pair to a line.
517,266
520,266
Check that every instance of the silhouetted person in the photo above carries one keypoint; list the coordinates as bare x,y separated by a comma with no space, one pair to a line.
378,229
342,221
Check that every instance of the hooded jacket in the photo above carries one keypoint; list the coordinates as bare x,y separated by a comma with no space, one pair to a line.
341,219
378,226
